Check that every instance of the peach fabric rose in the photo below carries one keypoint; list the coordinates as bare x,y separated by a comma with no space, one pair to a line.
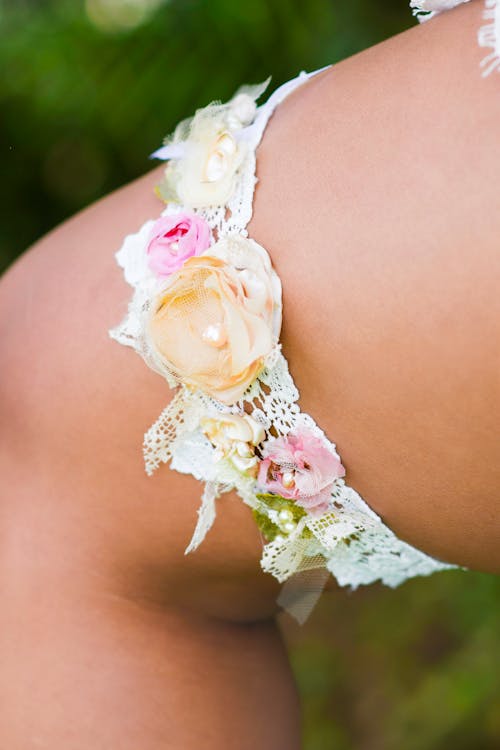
174,239
217,319
300,467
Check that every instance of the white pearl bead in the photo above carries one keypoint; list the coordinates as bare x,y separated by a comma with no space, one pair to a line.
219,158
213,334
285,515
226,144
288,527
216,166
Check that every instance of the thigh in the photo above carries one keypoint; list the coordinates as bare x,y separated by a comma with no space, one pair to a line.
378,198
388,327
75,406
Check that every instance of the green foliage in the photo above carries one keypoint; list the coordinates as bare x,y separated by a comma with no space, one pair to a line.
276,502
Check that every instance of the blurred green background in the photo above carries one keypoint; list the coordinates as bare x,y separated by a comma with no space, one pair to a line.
89,87
88,90
414,668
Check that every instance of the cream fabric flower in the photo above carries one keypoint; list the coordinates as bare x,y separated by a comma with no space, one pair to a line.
205,175
208,152
235,438
217,319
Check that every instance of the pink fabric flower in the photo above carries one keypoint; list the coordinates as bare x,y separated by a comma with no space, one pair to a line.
174,239
300,467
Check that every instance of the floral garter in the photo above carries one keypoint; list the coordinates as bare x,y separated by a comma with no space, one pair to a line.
206,315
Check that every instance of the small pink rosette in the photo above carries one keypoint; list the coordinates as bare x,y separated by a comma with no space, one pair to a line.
300,467
174,239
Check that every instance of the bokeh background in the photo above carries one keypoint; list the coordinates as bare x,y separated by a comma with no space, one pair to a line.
88,89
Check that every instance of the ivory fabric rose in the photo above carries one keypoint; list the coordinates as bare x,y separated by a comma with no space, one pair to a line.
217,318
300,467
206,151
235,438
174,239
205,173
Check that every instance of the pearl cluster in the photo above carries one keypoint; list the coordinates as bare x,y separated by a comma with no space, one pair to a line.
286,523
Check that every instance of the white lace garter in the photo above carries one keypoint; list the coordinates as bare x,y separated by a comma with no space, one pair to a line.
206,315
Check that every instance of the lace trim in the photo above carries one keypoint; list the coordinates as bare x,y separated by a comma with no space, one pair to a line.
488,35
348,540
424,10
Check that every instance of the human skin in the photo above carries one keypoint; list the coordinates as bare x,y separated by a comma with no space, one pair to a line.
378,201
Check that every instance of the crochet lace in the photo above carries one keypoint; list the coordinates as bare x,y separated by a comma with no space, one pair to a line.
350,541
